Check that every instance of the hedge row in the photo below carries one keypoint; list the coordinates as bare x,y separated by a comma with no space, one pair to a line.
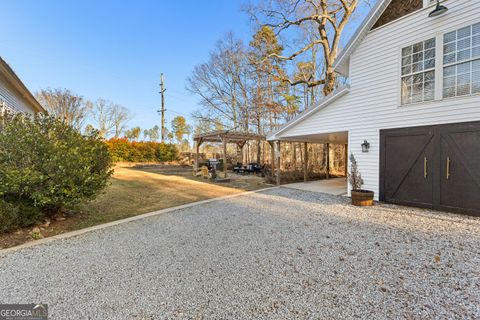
122,149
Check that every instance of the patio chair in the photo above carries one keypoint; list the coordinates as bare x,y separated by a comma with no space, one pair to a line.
250,168
257,168
238,168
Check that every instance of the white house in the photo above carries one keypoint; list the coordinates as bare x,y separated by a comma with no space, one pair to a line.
414,96
14,95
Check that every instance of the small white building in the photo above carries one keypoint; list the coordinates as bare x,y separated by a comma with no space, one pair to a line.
14,95
414,97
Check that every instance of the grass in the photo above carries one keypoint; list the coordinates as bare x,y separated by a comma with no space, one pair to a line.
242,182
133,192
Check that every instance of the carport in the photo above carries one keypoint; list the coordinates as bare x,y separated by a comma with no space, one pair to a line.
334,186
337,186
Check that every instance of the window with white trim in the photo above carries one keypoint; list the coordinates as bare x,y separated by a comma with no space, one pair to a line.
418,72
461,61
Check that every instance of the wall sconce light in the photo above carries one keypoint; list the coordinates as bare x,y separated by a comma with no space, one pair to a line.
439,9
365,146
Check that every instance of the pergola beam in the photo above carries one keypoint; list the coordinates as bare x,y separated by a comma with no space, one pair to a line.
232,136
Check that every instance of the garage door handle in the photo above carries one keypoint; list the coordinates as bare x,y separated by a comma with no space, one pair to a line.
448,167
425,167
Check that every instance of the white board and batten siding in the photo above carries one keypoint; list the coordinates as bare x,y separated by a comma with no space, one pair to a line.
13,98
373,102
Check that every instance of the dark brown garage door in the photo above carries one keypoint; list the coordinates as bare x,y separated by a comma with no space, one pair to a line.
433,167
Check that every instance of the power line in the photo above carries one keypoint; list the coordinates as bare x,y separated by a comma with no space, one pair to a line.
175,97
179,113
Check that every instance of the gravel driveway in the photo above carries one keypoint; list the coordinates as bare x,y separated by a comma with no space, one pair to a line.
278,254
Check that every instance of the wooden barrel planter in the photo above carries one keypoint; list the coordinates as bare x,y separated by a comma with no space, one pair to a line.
362,198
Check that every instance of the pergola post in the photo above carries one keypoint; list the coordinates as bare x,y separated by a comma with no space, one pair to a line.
197,151
272,155
224,140
327,156
305,162
278,153
346,160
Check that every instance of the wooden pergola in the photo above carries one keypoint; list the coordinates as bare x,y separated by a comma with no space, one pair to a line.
224,137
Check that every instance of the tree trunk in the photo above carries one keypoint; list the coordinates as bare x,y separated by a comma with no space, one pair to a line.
330,79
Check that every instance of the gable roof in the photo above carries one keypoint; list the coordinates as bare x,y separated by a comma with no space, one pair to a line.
15,81
341,64
340,92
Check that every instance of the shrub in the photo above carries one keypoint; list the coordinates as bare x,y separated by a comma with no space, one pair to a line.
9,216
48,165
17,215
124,150
354,175
166,152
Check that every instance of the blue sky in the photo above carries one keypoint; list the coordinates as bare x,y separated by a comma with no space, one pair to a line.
117,49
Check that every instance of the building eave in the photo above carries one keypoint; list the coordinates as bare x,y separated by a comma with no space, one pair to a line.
340,92
341,64
15,81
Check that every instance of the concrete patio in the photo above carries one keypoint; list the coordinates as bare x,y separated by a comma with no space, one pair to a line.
335,186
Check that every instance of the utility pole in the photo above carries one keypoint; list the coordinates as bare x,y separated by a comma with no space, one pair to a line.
162,110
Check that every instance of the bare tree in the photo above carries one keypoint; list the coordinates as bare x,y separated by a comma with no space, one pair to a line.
218,82
109,118
102,117
327,17
65,105
120,118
